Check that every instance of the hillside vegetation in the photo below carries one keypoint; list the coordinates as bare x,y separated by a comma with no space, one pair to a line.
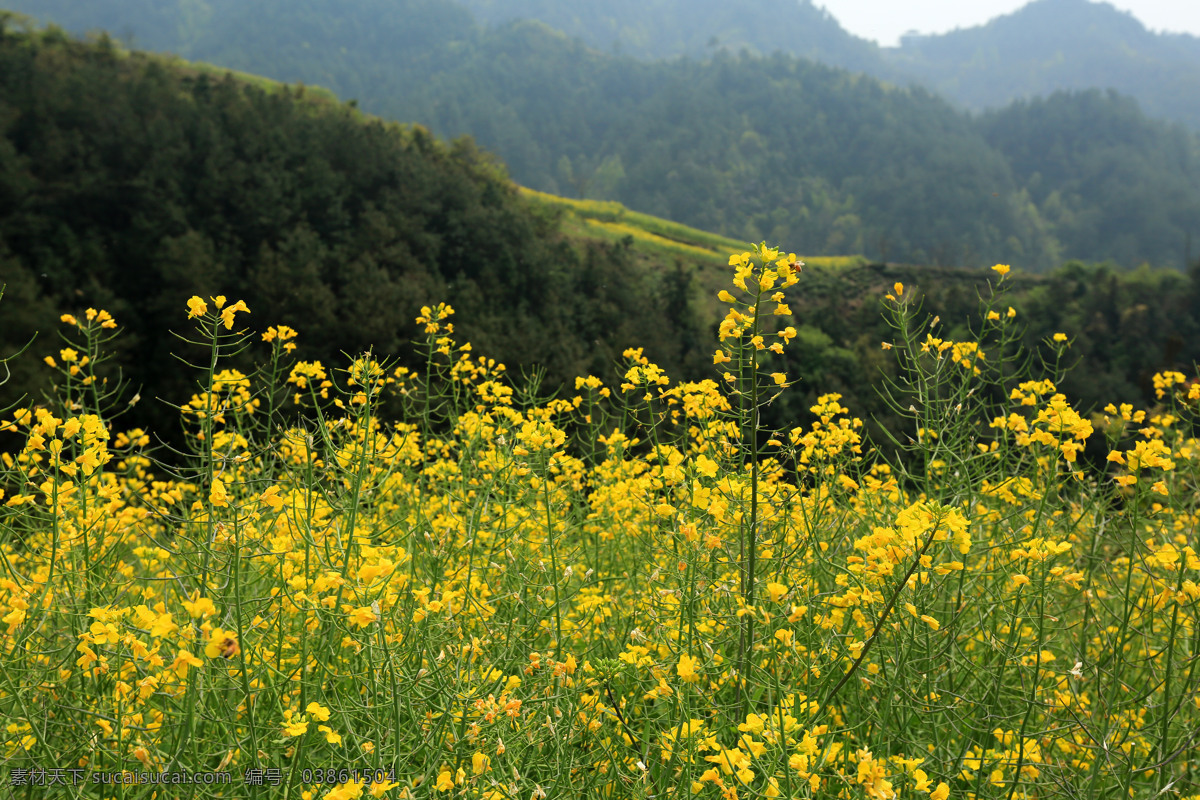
752,147
127,179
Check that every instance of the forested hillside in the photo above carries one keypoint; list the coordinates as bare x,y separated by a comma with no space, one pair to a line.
130,184
756,148
1083,158
752,147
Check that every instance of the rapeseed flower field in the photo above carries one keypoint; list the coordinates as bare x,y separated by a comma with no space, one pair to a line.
632,590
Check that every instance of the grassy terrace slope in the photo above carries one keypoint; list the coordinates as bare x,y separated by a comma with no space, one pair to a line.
655,237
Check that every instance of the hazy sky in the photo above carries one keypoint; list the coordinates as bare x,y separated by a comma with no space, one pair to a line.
886,20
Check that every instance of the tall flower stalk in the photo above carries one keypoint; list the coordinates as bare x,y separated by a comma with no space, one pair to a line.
760,276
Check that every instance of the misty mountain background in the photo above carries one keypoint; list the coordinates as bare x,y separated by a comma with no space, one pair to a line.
763,120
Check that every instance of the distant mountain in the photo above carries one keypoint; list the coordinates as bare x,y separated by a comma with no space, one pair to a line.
1047,46
355,48
754,147
696,28
1053,45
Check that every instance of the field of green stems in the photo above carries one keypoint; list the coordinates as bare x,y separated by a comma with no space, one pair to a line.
364,580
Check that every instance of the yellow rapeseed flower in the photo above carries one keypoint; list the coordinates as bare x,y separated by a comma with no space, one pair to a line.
227,314
686,669
219,497
271,498
706,466
199,606
296,728
362,616
183,660
222,643
347,791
